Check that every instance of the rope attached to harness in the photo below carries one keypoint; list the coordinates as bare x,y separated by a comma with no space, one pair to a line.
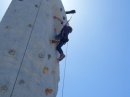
65,61
64,71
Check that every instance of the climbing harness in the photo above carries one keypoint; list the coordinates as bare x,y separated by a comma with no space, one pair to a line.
66,24
68,21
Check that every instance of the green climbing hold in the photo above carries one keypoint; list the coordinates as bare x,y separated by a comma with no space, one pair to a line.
49,56
60,9
63,18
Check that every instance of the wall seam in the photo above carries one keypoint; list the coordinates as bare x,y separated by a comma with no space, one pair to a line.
26,49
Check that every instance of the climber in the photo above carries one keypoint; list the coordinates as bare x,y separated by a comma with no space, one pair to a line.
63,37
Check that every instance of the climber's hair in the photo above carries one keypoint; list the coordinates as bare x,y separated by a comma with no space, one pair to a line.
70,29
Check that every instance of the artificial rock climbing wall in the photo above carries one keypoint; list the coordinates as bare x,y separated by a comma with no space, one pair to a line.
28,62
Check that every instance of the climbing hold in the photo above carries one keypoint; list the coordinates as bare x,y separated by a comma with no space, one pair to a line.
29,25
21,82
53,73
58,61
3,89
36,6
63,18
7,28
45,70
15,11
49,56
60,9
41,55
20,0
12,52
47,15
50,91
54,29
47,91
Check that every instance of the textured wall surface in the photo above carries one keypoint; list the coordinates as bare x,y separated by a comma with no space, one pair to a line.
28,62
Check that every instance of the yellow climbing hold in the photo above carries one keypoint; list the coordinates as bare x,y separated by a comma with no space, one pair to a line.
53,73
45,70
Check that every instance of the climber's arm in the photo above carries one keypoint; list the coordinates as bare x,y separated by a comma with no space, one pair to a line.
58,19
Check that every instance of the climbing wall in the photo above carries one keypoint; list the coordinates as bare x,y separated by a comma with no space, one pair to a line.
28,62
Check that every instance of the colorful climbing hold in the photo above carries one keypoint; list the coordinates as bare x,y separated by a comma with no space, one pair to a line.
45,70
47,15
29,25
63,18
53,73
54,29
15,11
7,28
60,9
47,91
41,55
21,82
12,52
49,56
3,89
36,6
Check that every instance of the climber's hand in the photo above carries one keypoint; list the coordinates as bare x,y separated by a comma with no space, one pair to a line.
54,17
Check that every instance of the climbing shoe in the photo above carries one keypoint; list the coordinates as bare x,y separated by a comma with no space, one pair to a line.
61,57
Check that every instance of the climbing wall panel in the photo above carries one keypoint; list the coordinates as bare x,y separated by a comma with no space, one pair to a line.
28,62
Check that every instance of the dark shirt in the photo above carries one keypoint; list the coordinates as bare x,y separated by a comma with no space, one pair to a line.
65,33
65,30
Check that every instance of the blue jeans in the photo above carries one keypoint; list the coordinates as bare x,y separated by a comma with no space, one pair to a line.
58,47
59,36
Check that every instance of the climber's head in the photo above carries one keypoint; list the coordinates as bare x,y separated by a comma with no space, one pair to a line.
70,29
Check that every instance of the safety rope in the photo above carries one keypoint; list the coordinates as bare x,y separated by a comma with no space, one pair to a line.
64,71
65,60
69,19
25,50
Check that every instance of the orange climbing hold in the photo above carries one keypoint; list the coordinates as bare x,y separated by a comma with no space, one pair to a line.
58,61
54,29
47,91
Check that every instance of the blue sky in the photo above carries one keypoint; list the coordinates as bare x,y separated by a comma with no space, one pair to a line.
98,59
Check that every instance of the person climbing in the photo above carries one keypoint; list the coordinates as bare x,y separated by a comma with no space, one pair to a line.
62,37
